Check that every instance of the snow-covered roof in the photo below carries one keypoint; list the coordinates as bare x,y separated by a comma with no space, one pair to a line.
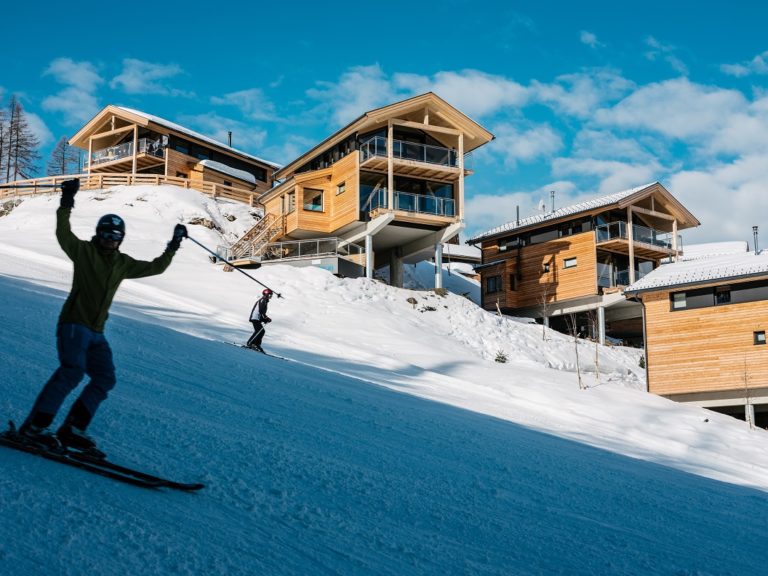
234,172
561,212
710,249
192,133
462,250
703,270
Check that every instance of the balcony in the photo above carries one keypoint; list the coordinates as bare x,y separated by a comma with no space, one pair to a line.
415,203
609,276
413,159
647,242
148,149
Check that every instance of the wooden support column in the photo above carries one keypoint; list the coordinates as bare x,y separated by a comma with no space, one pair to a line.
390,167
135,147
631,240
674,237
90,153
460,199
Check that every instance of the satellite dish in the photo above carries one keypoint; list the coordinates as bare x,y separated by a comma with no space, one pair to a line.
542,206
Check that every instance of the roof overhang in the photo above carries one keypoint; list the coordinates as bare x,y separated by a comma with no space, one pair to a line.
474,134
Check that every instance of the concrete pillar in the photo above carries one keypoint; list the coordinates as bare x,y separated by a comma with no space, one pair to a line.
749,413
438,265
601,324
395,268
369,256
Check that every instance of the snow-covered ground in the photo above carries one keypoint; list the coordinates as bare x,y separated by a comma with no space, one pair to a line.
393,443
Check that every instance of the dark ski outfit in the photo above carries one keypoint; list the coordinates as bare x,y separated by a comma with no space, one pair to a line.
81,345
258,319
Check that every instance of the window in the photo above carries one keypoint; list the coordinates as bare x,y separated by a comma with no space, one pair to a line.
722,295
678,300
340,188
313,200
569,263
759,337
493,284
290,202
513,282
227,183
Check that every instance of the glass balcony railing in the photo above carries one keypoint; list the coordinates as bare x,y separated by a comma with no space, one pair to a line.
610,276
643,234
312,248
377,146
418,203
145,146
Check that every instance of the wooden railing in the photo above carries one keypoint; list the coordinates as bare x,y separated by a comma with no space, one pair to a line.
37,186
253,242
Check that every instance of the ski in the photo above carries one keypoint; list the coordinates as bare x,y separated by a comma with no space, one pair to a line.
91,463
260,352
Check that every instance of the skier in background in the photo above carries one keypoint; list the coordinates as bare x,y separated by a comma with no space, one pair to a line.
259,318
99,268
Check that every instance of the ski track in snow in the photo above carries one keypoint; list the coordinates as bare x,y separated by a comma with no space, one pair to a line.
392,444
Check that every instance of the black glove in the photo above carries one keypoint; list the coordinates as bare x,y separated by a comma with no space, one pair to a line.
179,233
68,190
267,320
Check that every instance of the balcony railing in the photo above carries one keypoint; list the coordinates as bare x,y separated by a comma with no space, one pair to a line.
418,203
145,146
427,153
609,276
619,230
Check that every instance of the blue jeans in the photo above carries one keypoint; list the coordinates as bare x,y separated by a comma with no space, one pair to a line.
81,351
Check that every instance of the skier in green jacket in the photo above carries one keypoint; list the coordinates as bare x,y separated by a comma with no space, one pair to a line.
99,267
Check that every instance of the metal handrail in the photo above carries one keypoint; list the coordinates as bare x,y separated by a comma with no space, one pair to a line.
419,203
427,153
642,234
145,146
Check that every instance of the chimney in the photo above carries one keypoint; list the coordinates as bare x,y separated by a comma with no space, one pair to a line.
754,234
517,221
552,194
230,138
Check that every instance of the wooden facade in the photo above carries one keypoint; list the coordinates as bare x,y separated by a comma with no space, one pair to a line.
578,258
120,140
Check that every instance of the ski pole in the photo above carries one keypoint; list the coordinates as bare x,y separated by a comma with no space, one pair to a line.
30,185
233,266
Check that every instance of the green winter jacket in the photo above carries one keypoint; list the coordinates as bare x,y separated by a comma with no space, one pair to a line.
97,275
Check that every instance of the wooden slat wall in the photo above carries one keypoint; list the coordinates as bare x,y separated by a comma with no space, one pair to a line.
338,210
178,163
560,283
704,349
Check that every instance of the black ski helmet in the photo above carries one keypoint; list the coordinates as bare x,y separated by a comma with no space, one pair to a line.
111,227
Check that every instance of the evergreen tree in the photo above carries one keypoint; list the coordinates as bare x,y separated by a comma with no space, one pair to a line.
64,159
22,145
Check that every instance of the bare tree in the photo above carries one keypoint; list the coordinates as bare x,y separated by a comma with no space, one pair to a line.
64,159
573,328
748,409
543,299
22,145
594,322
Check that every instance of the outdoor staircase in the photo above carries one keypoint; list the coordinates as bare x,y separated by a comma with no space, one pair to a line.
253,243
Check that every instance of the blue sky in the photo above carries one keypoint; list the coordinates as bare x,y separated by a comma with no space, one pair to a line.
584,98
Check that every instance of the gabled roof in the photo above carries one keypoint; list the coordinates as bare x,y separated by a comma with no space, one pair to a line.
474,134
144,119
703,270
617,200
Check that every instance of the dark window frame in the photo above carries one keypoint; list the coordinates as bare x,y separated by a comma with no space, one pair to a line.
758,337
493,284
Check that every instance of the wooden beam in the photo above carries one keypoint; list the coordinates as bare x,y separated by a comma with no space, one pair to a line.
653,213
460,202
135,147
112,132
630,239
390,167
426,114
90,153
426,127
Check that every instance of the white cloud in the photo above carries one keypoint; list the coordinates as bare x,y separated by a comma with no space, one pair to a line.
580,94
39,128
77,105
77,102
613,176
676,108
82,75
590,39
359,89
140,77
665,52
758,65
603,144
252,103
524,145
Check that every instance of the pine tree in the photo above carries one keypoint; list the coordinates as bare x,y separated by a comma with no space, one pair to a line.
64,159
22,145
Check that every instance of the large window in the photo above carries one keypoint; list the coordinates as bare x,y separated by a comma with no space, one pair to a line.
313,200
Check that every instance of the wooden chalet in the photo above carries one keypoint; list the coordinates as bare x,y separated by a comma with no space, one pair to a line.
388,188
706,320
576,260
121,140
